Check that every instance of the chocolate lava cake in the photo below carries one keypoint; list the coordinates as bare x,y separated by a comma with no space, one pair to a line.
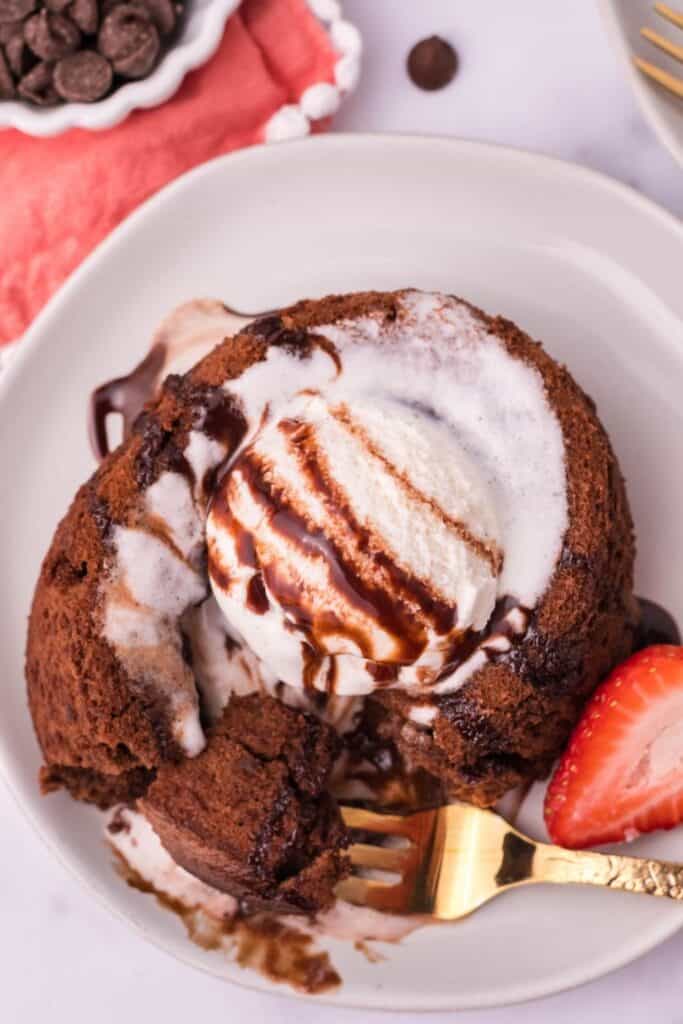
234,782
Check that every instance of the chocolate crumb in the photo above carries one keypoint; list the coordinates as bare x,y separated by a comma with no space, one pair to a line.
119,822
432,63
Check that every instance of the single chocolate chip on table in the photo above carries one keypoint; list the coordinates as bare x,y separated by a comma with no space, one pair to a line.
15,10
129,40
38,86
83,77
51,36
7,90
432,63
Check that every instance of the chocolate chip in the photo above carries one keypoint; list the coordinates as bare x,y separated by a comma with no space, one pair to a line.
7,90
18,55
161,12
38,87
10,29
129,40
83,77
15,10
85,14
432,63
51,36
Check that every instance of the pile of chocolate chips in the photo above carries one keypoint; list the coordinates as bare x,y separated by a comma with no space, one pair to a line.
55,51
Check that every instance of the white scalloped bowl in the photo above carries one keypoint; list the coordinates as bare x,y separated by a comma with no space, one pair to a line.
198,39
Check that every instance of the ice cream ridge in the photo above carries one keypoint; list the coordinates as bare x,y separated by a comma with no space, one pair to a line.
382,523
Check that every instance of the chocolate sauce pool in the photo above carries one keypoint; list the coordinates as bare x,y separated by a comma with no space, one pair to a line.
656,626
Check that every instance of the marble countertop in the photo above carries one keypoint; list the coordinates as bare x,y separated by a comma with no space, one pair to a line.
533,74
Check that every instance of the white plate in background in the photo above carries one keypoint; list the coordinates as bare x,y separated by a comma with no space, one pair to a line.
576,259
624,20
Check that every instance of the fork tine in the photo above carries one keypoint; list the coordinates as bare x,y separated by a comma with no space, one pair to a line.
386,859
670,82
389,824
663,43
670,14
366,892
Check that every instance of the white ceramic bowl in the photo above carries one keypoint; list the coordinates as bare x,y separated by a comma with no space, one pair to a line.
200,34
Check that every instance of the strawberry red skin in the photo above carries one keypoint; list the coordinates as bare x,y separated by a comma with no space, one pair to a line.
611,784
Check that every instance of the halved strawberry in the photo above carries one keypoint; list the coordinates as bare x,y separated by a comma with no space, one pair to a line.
622,771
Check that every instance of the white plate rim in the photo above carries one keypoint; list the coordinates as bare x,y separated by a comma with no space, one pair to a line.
643,89
36,337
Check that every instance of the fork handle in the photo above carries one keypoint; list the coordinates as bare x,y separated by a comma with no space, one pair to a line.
632,874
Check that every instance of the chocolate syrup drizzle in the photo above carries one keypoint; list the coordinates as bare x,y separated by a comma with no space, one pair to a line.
222,420
390,607
499,625
127,396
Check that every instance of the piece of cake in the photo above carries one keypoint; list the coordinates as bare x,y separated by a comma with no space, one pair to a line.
250,815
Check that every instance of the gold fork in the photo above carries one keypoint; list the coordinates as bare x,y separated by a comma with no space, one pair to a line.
456,858
671,82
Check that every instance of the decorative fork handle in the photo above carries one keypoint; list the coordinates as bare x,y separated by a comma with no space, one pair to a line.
632,874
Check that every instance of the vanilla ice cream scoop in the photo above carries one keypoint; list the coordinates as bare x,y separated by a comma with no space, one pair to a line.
353,544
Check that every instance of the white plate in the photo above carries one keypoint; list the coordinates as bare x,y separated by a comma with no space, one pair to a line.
578,260
624,20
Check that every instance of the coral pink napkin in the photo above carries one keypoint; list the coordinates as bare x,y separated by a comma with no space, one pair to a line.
59,197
